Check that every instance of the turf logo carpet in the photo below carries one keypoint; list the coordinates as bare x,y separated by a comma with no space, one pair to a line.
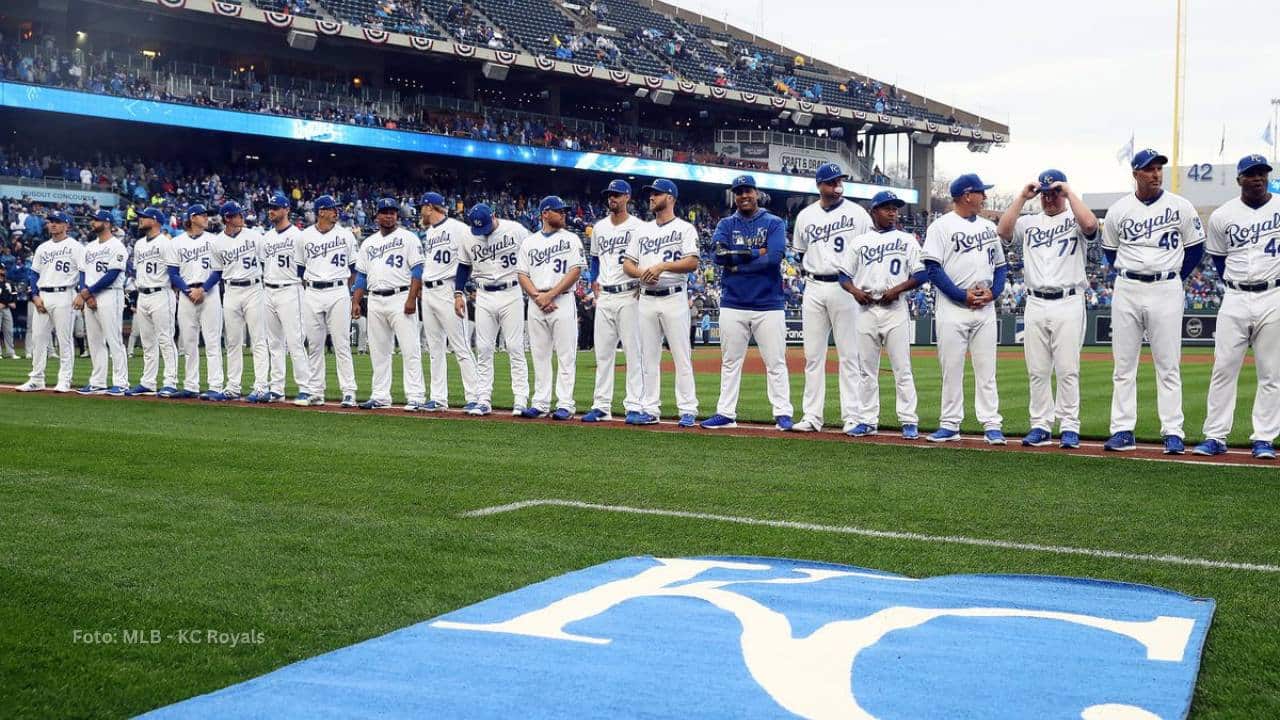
759,637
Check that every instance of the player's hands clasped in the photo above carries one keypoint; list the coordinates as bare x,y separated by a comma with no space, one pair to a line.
195,294
862,296
978,297
546,302
651,274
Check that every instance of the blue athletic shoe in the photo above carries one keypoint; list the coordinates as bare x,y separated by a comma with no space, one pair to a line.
598,415
167,391
687,420
783,422
1070,440
468,408
139,390
633,417
115,391
532,413
434,406
302,400
1173,445
645,418
348,400
1262,450
1210,447
861,430
480,409
994,437
942,435
92,390
718,422
256,397
1038,437
374,405
910,432
273,397
213,396
231,395
561,414
1120,442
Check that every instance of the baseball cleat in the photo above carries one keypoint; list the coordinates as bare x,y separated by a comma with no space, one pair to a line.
468,407
806,426
645,418
1120,442
783,422
92,390
532,413
413,406
1173,445
687,420
994,437
518,411
480,409
213,396
115,391
632,417
1262,450
944,435
433,406
348,401
910,432
1210,447
62,388
231,396
303,400
597,415
273,397
138,390
185,395
167,391
374,405
1038,437
30,386
256,397
562,414
861,430
718,422
1070,440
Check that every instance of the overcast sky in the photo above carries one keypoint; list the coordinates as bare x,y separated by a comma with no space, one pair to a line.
1072,84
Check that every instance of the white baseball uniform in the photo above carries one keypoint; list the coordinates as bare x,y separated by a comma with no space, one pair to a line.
499,305
326,308
617,314
154,316
59,265
240,260
387,261
969,251
1054,253
664,312
545,259
824,236
440,321
195,264
1250,315
1149,239
104,326
281,258
877,261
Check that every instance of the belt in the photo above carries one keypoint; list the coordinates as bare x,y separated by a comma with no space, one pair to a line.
1143,277
499,286
664,291
55,289
1054,294
435,283
274,286
823,278
389,292
148,291
624,287
325,285
243,283
1254,287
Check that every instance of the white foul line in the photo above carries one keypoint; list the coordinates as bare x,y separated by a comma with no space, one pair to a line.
884,534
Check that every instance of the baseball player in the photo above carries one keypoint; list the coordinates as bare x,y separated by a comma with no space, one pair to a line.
282,267
1154,240
821,239
440,323
749,246
879,267
389,263
153,255
1054,244
491,252
102,299
1244,244
199,305
55,270
966,265
328,259
549,265
661,255
616,306
237,254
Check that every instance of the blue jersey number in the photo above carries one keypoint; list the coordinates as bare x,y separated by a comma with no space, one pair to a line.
443,257
1273,247
395,261
559,265
282,260
508,261
1071,242
249,262
62,266
838,243
151,268
339,261
1169,240
204,263
895,266
100,267
991,256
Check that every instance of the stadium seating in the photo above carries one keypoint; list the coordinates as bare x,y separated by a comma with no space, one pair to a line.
533,23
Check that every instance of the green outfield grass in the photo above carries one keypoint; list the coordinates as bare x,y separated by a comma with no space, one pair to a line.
319,530
753,406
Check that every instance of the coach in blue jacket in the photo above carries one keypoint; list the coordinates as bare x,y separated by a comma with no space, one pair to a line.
749,246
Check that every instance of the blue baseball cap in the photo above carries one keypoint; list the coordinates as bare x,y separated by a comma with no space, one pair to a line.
480,218
231,208
1251,162
663,185
196,209
326,202
969,182
155,214
103,215
1049,177
387,203
432,198
829,172
57,216
279,200
886,197
620,186
1146,157
742,181
552,202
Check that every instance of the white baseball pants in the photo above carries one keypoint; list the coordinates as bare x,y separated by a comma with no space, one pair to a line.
888,328
195,321
104,329
666,317
58,319
617,319
387,325
829,309
963,330
284,336
327,313
1154,309
440,323
501,310
155,322
769,328
243,309
1052,339
554,332
1246,318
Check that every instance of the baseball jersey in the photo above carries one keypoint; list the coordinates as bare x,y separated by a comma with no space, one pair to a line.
825,234
493,257
239,257
151,260
387,261
546,259
1249,237
103,257
969,250
609,242
195,257
282,255
653,243
58,263
327,256
440,249
877,261
1054,250
1149,237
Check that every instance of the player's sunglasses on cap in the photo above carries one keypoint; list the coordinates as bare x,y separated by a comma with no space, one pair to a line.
618,187
665,186
1250,163
967,183
1147,157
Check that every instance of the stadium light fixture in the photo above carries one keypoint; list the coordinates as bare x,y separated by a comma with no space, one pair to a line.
150,53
